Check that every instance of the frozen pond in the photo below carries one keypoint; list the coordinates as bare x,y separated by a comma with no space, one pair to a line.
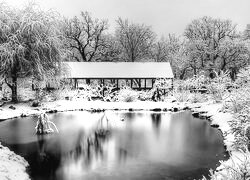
117,145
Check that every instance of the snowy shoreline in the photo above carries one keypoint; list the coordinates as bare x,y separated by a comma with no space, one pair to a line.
203,110
12,166
24,109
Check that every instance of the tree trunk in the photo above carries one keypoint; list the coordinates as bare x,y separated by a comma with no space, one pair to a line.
195,71
14,89
182,74
233,74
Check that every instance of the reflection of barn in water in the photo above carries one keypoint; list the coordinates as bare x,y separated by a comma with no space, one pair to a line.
156,120
137,75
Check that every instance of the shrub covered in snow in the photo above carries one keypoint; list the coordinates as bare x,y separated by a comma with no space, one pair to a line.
243,77
196,82
238,100
237,168
238,103
145,95
197,97
127,95
219,86
181,96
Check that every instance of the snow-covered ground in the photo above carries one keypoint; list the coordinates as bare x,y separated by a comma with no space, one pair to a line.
12,166
211,110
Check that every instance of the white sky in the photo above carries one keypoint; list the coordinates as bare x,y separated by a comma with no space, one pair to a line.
165,16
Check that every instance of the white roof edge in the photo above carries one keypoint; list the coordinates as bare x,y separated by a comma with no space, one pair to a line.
119,70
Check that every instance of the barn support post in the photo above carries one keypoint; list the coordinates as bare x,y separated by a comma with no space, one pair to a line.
131,83
117,83
145,83
88,81
102,82
139,84
172,85
153,82
76,84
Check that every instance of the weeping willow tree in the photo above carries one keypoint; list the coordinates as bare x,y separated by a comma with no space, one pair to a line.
30,45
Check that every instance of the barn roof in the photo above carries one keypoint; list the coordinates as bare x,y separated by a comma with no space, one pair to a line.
118,70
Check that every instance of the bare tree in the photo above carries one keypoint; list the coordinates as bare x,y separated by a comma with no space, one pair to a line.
84,36
110,50
29,45
136,40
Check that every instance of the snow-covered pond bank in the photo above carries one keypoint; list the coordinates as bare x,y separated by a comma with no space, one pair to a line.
12,166
212,111
25,109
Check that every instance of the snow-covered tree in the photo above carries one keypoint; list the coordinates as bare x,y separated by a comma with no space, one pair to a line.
166,48
29,44
234,55
216,45
181,62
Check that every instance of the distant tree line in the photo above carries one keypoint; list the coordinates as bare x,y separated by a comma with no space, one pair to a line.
34,42
208,44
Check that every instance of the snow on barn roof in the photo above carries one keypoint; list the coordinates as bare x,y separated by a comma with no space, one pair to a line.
119,70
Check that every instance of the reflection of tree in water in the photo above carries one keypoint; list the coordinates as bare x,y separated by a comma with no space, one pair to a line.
156,121
45,162
43,124
122,155
90,146
129,115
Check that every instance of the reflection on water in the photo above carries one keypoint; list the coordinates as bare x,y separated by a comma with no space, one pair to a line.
115,145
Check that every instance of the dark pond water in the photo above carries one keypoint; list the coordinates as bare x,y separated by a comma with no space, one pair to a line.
122,146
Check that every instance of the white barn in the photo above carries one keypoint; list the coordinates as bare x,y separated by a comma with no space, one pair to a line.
141,75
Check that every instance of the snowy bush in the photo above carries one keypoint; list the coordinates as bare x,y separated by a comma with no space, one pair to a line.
238,128
237,169
243,77
238,103
57,94
181,96
218,87
127,95
238,100
197,81
145,95
163,84
25,94
197,98
5,93
180,85
109,92
87,91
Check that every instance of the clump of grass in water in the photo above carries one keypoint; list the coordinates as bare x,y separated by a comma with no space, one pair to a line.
43,125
